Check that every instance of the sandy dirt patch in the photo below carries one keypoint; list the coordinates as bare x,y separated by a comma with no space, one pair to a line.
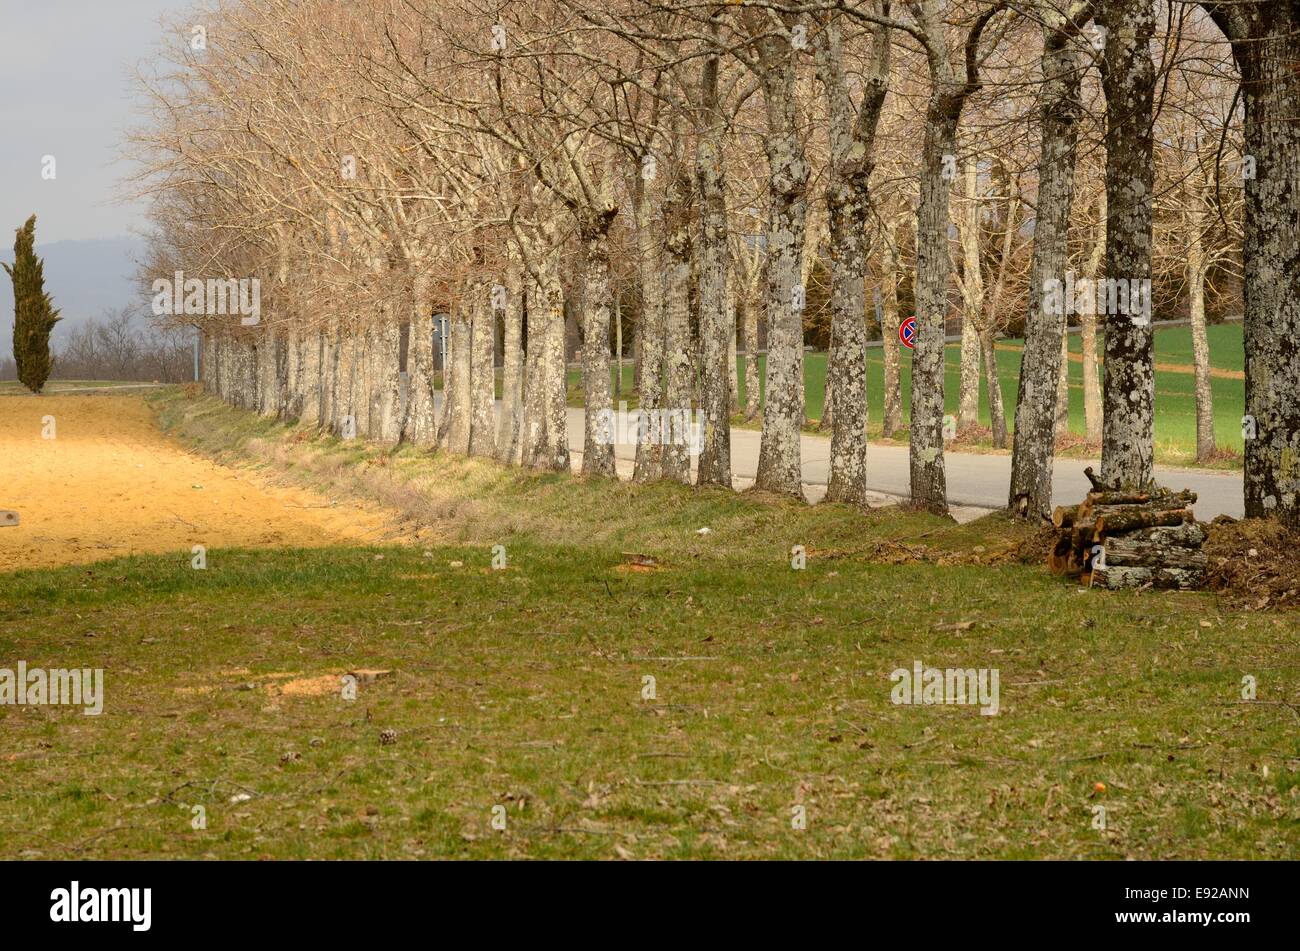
110,483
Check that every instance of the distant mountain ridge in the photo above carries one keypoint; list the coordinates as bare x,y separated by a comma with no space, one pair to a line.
85,278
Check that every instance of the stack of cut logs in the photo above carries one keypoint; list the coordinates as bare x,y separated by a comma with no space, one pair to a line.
1119,539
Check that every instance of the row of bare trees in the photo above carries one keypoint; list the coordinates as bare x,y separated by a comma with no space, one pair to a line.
692,167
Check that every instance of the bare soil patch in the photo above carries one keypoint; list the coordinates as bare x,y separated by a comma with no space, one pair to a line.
110,484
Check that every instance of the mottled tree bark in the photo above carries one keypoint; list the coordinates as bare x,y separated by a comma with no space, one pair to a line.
714,266
553,374
421,426
1129,83
948,94
512,370
268,390
1195,220
388,378
733,347
458,385
780,457
363,390
214,369
597,447
483,378
753,386
328,375
972,287
1092,412
650,333
928,480
678,373
852,141
291,405
993,386
891,416
1266,45
1062,425
1059,109
533,432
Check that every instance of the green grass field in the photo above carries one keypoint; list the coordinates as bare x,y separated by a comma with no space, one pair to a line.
1175,418
523,688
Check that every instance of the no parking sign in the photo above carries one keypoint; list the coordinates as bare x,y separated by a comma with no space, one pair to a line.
906,332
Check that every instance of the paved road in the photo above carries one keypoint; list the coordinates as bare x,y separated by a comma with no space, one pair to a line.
976,482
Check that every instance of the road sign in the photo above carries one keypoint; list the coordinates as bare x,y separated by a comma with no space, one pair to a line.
907,332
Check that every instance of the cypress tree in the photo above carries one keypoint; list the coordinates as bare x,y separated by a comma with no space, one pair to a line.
34,313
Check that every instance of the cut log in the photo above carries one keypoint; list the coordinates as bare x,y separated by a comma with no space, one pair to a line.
1159,496
1128,576
1097,484
1115,523
1063,516
1059,559
1187,535
1081,534
1127,551
1118,498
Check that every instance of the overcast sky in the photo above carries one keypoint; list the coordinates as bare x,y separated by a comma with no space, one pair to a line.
65,72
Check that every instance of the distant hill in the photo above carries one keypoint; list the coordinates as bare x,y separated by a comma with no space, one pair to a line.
85,278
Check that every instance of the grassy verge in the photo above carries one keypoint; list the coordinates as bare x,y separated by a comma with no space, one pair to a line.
525,687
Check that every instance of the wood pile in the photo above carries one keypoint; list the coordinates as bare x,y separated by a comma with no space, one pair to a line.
1121,539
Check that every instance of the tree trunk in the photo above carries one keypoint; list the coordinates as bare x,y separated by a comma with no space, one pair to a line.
928,480
618,348
554,375
512,370
292,400
483,378
673,421
753,386
388,382
715,325
1200,340
597,447
1088,333
847,376
1129,84
1062,425
972,285
1266,46
827,418
421,425
458,384
892,412
1033,448
650,335
328,376
852,140
363,358
268,382
997,413
733,348
779,457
